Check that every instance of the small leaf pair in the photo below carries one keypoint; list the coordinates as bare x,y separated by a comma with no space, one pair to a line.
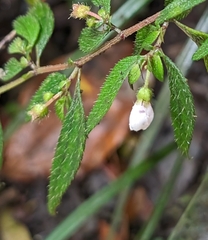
73,135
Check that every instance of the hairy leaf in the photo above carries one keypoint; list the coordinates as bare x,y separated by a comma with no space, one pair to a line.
12,68
202,51
61,105
155,66
145,37
27,27
18,45
45,17
1,145
167,2
134,74
176,8
69,151
197,36
181,106
90,39
51,85
102,3
109,91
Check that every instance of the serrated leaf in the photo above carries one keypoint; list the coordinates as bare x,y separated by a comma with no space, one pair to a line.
134,74
27,27
197,36
61,105
155,66
109,91
45,17
201,52
52,84
90,39
180,16
1,145
12,68
102,3
145,37
167,2
176,8
181,106
69,151
18,45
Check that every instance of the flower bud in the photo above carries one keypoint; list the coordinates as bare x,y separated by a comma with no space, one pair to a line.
144,94
141,116
38,111
79,11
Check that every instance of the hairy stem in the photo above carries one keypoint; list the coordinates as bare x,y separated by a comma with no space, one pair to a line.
122,35
7,38
37,71
80,62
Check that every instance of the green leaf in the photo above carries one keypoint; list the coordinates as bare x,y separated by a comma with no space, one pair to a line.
181,106
12,68
27,27
1,145
167,2
197,36
155,66
102,3
18,46
134,74
45,17
90,39
109,91
176,8
181,16
201,52
145,37
61,105
52,85
69,151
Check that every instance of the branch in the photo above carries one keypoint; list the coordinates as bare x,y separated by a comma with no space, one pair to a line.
37,71
7,38
122,35
80,62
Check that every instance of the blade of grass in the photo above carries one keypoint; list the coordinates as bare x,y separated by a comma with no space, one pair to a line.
94,203
149,229
193,223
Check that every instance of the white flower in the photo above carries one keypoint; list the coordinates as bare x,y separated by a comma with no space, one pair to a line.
141,116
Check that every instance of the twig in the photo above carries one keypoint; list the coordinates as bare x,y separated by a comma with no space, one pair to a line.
80,62
7,38
123,34
25,77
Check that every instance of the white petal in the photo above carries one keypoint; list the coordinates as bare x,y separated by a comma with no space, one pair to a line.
141,116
